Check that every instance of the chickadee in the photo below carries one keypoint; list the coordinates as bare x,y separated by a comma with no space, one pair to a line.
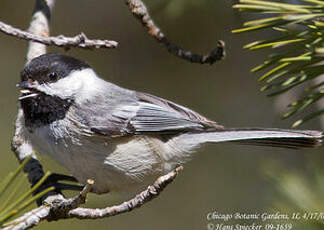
121,138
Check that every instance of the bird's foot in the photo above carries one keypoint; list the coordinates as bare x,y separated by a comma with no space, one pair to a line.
53,181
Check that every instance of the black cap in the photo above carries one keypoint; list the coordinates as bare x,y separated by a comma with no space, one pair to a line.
51,67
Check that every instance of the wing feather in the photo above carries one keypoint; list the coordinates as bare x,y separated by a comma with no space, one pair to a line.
154,118
150,114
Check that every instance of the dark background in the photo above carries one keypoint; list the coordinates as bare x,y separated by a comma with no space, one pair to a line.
224,178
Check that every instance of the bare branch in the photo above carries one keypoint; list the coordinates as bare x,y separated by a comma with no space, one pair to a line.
20,144
140,11
80,40
29,219
39,26
150,193
60,208
81,198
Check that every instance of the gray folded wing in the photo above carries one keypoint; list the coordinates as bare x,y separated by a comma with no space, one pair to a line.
150,114
153,118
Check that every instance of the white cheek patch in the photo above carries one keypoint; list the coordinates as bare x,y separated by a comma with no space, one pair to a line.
71,85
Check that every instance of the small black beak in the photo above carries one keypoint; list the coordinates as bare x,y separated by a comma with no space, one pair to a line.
27,90
24,85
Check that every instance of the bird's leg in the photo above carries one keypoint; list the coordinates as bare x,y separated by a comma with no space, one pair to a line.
53,180
57,177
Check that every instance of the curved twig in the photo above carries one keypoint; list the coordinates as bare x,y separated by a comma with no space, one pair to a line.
140,11
150,193
57,209
80,40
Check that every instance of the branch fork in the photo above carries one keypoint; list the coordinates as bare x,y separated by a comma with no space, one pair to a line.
56,207
79,40
139,10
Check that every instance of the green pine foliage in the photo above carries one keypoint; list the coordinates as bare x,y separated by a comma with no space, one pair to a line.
13,197
297,49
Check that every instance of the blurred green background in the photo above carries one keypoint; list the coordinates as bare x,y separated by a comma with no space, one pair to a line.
224,178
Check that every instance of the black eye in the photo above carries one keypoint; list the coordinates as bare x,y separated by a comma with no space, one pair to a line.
53,76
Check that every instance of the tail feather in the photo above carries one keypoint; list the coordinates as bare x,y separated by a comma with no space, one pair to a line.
282,138
291,143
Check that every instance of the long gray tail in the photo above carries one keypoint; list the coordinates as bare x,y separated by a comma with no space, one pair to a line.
283,138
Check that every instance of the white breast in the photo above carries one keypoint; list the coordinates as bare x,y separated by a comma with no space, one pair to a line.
118,164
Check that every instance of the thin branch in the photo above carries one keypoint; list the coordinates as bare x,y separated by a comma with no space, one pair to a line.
29,219
81,198
39,26
80,40
54,208
150,193
140,11
21,146
62,209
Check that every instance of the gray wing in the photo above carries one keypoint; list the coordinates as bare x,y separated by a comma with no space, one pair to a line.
151,114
